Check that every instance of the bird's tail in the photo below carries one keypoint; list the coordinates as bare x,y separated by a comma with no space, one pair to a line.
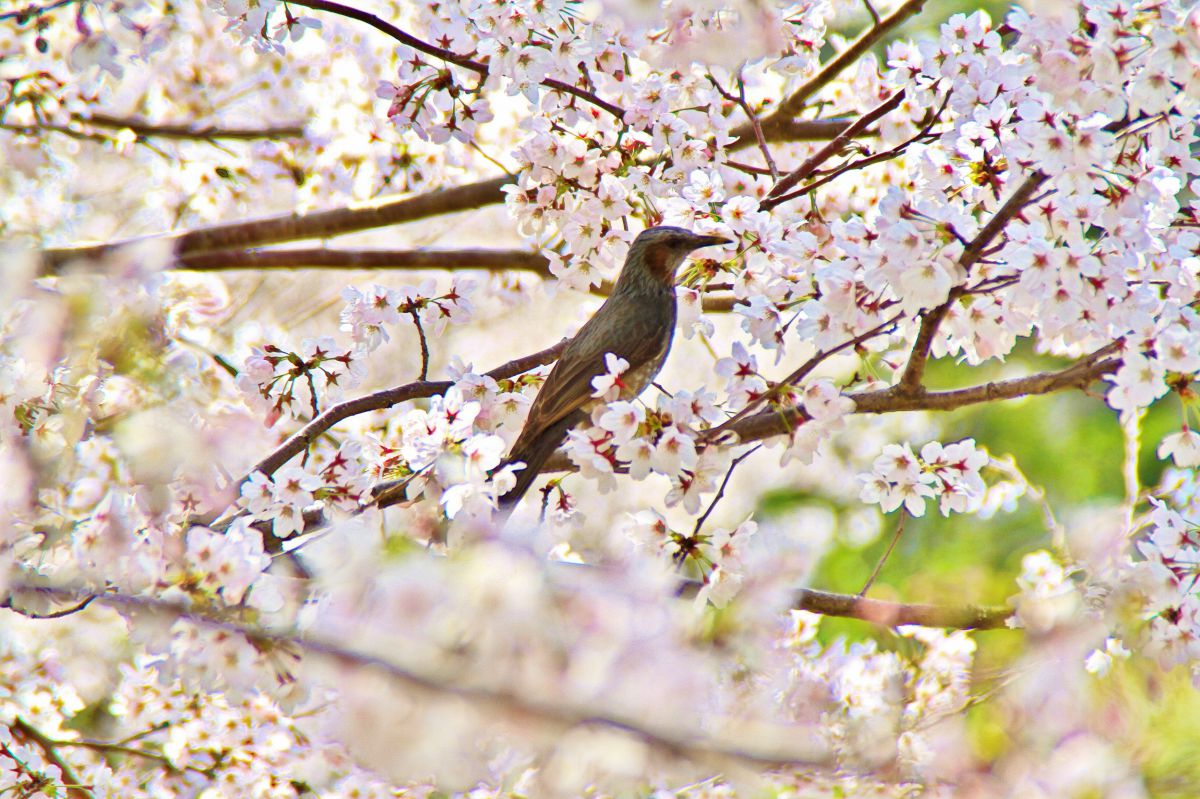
534,456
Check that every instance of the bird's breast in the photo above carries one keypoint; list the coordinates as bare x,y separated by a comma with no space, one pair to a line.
638,377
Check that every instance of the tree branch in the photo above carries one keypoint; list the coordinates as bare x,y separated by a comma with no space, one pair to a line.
386,399
774,197
189,131
803,371
326,258
894,614
315,225
791,106
671,738
75,788
449,56
866,161
931,319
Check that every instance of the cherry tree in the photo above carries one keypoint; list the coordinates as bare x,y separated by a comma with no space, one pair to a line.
281,280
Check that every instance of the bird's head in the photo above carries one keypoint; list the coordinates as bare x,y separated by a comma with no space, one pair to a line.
658,251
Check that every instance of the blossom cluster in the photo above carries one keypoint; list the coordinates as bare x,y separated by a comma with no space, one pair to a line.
368,312
1032,190
949,473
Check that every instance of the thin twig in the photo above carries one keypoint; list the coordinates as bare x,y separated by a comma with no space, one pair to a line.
740,99
879,566
867,161
871,10
416,317
831,149
721,491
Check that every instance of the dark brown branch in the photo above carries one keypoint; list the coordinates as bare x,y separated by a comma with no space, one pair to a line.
721,491
416,317
24,15
931,319
326,258
54,614
315,225
776,195
391,30
386,399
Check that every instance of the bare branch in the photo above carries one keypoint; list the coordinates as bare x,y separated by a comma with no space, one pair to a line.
23,15
724,483
890,400
416,317
326,258
887,554
315,225
740,99
775,197
54,614
187,130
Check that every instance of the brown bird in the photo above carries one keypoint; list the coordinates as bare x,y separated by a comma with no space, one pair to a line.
636,322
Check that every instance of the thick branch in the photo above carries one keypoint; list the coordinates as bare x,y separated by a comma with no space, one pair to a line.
325,258
316,225
894,614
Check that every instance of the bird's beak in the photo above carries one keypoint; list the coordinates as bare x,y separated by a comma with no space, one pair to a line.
709,241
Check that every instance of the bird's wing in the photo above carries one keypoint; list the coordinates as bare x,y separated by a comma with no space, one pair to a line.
569,385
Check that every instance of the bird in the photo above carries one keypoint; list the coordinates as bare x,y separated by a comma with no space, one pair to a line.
636,323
